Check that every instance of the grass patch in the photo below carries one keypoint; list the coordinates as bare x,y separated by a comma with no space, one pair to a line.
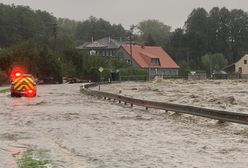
33,159
4,90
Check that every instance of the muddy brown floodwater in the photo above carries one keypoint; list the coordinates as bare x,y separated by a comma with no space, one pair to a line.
79,131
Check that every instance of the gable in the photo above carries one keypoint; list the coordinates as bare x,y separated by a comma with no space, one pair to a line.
243,60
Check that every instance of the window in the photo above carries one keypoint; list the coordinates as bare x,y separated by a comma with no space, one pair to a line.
155,61
128,61
240,69
245,61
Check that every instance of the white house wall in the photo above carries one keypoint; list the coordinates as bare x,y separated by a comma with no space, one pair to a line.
241,64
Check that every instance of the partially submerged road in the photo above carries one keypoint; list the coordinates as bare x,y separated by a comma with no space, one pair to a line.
81,131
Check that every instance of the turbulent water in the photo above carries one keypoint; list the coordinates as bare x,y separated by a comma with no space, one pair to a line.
78,131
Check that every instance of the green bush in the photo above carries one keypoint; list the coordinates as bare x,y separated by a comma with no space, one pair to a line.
106,74
133,74
93,74
3,78
28,161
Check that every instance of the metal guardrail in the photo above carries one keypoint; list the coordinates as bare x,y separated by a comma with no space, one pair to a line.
234,117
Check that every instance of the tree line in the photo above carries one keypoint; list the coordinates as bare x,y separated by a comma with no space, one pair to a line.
48,44
205,33
45,45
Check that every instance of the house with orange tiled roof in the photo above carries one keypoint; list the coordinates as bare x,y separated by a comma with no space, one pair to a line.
152,58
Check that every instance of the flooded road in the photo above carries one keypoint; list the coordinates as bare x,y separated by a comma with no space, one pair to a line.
79,131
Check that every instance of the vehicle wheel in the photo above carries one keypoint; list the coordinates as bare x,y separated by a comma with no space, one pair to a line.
13,95
16,95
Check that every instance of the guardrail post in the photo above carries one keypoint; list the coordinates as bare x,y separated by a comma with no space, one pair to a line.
131,105
146,108
220,122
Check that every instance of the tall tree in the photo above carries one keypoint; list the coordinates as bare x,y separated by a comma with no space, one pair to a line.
197,35
156,29
118,31
238,33
66,30
213,62
98,28
177,45
20,23
150,41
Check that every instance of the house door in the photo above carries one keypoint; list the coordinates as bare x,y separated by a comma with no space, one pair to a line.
240,70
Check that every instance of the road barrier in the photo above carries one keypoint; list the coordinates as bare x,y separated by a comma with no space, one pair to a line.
234,117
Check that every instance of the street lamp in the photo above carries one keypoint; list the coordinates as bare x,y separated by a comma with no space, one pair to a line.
100,70
117,74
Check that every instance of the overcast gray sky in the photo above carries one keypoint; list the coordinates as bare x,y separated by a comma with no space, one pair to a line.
127,12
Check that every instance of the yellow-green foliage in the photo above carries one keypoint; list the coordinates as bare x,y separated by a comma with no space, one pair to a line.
28,160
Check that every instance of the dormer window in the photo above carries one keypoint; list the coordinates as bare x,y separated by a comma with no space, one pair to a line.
155,61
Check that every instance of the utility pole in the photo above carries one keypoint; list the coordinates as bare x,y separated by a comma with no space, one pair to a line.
130,42
55,31
188,55
130,39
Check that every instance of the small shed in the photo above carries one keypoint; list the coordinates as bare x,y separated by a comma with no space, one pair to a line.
219,75
197,75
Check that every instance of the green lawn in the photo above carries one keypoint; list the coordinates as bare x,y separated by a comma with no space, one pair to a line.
4,89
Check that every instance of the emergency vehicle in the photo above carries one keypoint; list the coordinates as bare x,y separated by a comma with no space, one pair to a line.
22,85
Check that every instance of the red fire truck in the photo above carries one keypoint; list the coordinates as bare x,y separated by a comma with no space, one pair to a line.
22,84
